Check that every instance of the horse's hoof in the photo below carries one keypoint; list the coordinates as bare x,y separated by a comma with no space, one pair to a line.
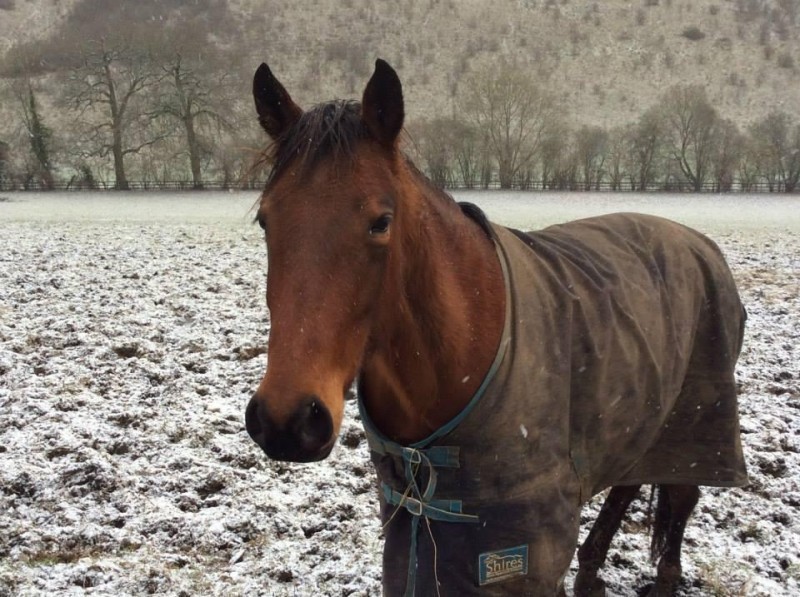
589,586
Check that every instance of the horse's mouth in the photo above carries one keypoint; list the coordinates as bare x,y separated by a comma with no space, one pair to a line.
283,451
301,457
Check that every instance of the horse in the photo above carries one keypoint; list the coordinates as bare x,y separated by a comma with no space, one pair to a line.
504,378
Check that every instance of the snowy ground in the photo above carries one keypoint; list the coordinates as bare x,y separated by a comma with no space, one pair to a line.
132,332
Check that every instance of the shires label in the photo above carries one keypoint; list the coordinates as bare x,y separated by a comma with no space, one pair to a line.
497,566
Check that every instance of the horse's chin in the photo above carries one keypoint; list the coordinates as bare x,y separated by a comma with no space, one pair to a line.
300,456
323,453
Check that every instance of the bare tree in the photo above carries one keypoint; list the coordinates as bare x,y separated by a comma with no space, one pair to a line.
434,143
553,150
104,90
591,145
38,133
196,101
727,155
691,125
777,150
235,156
618,152
565,162
515,113
748,171
485,160
467,149
645,142
5,151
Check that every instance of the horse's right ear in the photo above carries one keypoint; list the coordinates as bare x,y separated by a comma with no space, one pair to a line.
382,104
276,110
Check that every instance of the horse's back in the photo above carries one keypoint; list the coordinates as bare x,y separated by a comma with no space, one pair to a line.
659,267
675,273
655,326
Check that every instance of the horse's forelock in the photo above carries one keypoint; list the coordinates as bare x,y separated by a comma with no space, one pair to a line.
327,130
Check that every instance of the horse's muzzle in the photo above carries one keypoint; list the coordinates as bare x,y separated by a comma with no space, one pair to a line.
306,436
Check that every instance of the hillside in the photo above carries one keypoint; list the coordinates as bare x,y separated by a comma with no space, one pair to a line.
31,20
607,61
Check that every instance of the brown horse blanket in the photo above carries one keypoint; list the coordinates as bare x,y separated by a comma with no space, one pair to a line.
615,368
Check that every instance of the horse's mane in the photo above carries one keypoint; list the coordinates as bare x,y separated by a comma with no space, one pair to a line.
328,129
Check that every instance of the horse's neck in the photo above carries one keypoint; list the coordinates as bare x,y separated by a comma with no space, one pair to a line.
439,324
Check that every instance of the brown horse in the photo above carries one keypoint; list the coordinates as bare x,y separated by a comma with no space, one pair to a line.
504,378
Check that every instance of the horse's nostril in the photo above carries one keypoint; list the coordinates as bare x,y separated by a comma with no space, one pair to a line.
313,425
307,435
251,420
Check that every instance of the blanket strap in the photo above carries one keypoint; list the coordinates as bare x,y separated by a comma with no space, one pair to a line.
418,502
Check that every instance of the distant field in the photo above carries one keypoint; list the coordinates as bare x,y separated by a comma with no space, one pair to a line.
708,212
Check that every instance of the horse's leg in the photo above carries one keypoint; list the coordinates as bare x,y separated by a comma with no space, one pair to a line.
681,499
592,554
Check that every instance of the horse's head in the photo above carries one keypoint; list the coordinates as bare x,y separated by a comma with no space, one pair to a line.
328,210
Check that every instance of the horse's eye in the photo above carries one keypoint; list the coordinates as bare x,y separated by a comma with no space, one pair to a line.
261,222
381,225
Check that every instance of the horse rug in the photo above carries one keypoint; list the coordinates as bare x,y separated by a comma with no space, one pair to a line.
615,368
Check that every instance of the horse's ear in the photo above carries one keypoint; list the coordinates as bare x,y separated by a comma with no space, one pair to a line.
276,110
382,104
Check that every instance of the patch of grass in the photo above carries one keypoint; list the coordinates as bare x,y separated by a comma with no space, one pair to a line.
721,579
751,532
50,556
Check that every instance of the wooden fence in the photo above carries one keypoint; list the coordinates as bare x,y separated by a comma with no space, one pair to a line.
760,186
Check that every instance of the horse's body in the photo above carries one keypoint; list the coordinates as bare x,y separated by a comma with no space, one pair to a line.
616,370
504,378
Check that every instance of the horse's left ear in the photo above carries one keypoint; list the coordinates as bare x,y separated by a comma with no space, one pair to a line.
276,110
382,104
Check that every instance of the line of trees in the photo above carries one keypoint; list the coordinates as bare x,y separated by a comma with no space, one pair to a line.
174,115
149,103
508,129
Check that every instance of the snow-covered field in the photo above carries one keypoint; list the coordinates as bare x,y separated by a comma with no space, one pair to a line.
132,333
